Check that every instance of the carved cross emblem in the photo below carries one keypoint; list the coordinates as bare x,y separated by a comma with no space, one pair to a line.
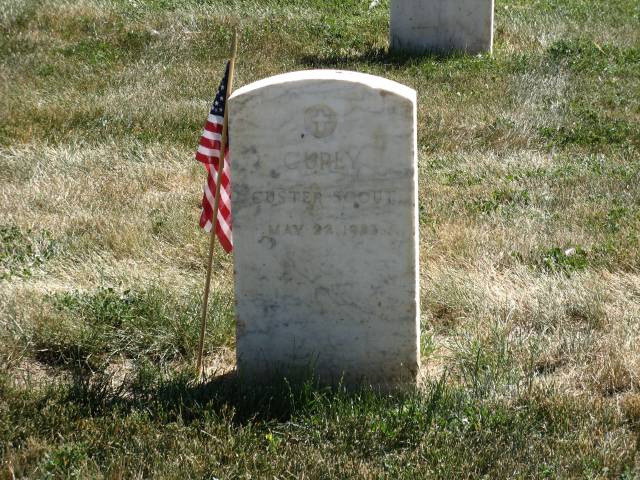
320,121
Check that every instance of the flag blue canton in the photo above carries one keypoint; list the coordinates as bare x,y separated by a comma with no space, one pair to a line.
218,104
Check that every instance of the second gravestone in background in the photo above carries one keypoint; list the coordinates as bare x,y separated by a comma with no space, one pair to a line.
442,25
325,229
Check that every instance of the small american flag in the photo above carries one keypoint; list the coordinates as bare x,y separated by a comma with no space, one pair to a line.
209,154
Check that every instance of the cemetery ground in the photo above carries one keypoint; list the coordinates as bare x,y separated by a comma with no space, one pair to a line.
529,247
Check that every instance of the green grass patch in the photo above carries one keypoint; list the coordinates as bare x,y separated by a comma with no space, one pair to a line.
22,252
87,329
94,52
501,200
102,52
613,219
222,429
592,130
582,55
560,260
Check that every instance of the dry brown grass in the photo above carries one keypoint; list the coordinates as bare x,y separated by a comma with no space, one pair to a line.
580,333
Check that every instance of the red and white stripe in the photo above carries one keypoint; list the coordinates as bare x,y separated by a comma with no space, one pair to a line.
209,154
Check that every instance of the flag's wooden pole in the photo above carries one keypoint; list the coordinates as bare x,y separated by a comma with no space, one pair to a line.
216,203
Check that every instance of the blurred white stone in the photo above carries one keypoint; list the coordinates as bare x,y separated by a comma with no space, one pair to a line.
442,25
324,174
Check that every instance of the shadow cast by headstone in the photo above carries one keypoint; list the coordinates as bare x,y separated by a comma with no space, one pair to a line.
381,56
225,395
271,398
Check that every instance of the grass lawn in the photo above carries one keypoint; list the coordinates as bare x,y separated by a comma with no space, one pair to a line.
529,244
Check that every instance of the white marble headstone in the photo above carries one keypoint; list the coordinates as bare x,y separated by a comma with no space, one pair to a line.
324,176
442,25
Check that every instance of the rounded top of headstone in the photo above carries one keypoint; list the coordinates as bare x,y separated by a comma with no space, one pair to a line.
372,81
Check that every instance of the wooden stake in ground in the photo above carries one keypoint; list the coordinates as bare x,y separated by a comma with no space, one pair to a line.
216,203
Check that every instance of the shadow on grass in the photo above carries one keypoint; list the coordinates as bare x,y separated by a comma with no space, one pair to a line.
380,56
167,399
472,432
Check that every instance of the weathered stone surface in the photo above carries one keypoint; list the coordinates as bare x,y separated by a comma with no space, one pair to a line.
442,25
324,176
